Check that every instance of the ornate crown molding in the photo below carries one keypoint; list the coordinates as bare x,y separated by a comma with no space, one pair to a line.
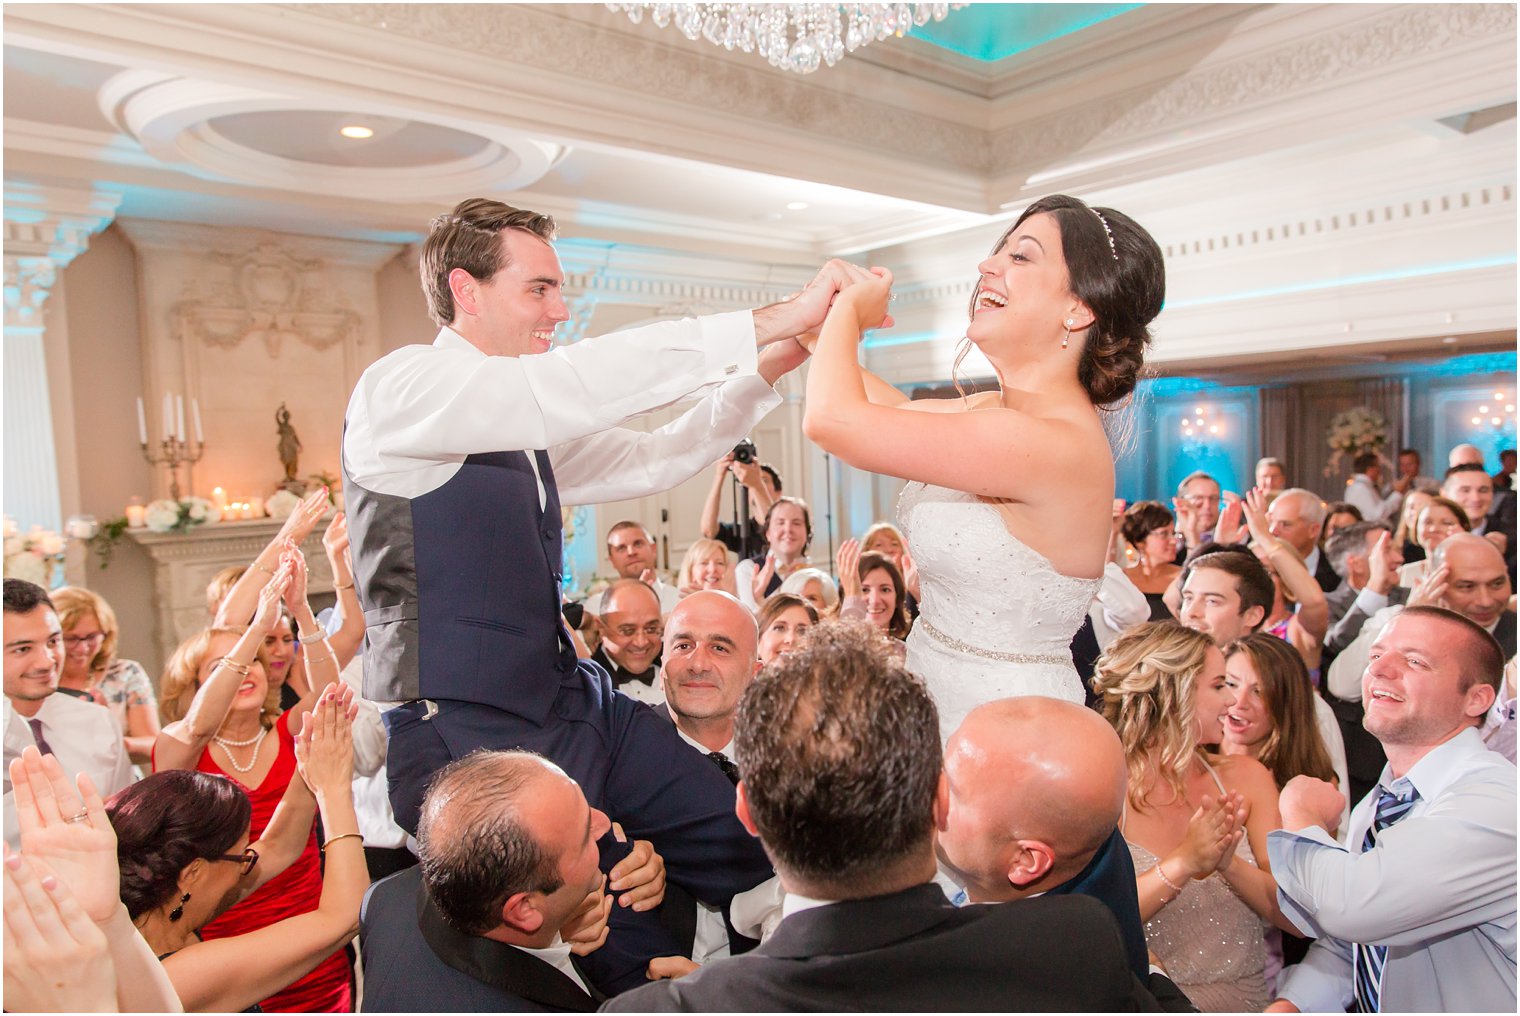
45,229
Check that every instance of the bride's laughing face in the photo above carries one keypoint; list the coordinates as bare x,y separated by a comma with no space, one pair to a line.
1024,295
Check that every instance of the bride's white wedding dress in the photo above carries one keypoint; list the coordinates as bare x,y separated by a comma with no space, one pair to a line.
995,618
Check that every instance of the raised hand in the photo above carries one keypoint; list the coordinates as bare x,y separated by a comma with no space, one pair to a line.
762,577
295,593
56,959
1255,507
1306,801
640,876
1229,528
1430,591
325,747
869,298
847,560
299,523
268,610
910,574
335,538
65,831
586,930
1382,565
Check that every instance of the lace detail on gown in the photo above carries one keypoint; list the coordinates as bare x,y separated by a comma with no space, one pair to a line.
983,590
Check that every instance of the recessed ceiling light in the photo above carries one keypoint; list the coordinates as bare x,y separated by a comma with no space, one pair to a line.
356,131
796,206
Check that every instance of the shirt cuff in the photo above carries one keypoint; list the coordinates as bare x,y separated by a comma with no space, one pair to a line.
1370,602
729,341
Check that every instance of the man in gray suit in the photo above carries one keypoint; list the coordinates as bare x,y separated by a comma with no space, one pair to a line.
1367,558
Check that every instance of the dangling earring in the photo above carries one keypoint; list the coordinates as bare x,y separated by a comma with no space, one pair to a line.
179,911
1067,337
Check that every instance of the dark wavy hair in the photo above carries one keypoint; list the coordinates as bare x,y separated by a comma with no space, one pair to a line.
1294,747
1145,517
870,561
166,821
1124,285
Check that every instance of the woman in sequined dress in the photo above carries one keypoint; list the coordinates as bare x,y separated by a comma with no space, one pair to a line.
1009,514
1196,823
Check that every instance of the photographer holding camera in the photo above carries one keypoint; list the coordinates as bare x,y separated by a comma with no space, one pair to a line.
745,535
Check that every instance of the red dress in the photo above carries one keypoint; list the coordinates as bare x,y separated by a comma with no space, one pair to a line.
296,890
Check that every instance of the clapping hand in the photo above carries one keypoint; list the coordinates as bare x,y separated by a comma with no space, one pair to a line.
335,538
1229,528
1430,591
65,832
325,746
1255,507
268,611
56,958
1212,835
763,576
295,593
847,560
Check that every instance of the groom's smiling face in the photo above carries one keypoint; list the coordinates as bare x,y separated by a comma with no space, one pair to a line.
518,308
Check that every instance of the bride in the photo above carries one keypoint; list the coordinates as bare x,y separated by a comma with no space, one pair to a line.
1009,515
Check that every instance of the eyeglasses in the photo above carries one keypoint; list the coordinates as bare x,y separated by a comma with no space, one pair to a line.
247,859
84,640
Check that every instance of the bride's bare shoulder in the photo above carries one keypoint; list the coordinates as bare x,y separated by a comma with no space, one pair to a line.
977,400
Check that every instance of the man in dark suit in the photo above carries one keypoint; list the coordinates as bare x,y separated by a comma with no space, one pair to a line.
838,746
509,864
1298,516
1036,795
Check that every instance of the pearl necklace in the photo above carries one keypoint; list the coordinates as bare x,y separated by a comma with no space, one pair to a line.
256,740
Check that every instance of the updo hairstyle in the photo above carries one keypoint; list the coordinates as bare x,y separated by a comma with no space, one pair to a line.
1124,285
167,820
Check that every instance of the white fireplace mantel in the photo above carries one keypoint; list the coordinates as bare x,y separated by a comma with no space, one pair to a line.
184,564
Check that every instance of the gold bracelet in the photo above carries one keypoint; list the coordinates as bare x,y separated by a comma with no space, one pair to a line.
318,659
241,669
266,570
337,586
1173,886
344,836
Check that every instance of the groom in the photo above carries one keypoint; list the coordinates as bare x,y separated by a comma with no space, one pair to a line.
455,458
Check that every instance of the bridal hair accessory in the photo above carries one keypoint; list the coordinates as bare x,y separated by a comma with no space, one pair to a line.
1109,232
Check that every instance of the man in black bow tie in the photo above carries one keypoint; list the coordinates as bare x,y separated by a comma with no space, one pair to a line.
630,627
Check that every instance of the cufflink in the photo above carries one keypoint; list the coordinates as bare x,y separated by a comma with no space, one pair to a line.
732,368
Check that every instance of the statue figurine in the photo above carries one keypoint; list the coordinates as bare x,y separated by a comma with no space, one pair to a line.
290,447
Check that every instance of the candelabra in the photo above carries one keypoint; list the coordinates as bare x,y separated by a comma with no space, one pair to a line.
174,452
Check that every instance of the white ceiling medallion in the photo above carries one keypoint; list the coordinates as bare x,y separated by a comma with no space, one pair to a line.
415,158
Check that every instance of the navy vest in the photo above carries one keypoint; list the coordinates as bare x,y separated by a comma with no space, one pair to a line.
461,588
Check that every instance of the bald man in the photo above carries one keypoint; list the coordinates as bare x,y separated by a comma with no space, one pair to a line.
630,628
1468,575
1036,795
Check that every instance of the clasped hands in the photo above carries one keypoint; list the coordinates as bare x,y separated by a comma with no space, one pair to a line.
1213,833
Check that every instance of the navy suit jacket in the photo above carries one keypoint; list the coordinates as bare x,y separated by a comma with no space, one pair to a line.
1110,878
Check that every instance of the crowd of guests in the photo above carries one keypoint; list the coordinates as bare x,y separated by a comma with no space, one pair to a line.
1293,787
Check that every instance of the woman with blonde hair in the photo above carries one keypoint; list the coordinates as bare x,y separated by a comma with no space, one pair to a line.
222,716
1196,822
706,566
91,669
1438,518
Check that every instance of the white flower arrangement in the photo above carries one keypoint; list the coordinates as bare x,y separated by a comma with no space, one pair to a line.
34,555
1355,432
169,516
280,504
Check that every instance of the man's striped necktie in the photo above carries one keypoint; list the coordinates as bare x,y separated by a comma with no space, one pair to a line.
1369,959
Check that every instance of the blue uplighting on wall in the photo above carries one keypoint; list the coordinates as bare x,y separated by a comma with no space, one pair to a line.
992,32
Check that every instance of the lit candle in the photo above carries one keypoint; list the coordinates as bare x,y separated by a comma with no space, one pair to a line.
135,516
195,412
256,506
168,415
142,423
219,497
179,417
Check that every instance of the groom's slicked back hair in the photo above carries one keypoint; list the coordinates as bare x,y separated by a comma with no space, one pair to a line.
839,747
469,237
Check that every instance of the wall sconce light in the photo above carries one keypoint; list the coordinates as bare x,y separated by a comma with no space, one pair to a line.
1203,424
1500,414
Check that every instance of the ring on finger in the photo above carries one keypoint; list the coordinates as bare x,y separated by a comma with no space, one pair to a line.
82,816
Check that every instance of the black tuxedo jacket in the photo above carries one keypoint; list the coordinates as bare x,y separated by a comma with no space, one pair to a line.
415,962
1504,631
1325,575
915,951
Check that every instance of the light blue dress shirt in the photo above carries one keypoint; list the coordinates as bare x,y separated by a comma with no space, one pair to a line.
1437,888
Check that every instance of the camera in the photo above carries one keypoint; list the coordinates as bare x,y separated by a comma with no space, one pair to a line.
745,452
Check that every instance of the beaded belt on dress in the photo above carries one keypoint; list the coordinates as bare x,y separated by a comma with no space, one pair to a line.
1054,659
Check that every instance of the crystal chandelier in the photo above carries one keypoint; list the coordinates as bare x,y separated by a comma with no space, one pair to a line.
793,37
